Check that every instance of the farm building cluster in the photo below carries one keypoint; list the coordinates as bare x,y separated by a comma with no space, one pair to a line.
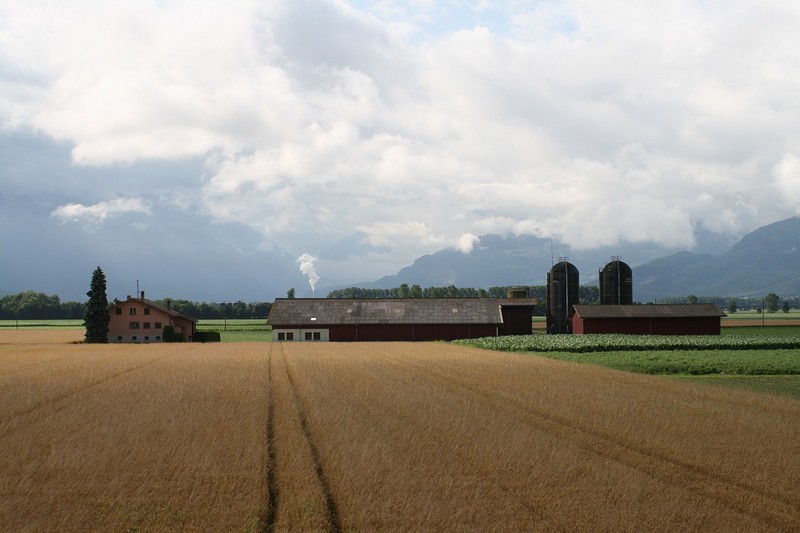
332,319
428,319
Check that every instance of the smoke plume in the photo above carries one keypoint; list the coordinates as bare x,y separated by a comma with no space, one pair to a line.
307,267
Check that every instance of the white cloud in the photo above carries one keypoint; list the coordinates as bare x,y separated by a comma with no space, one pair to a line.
466,243
787,180
594,122
100,211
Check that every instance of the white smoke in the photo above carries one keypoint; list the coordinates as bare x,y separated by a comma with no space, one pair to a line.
307,267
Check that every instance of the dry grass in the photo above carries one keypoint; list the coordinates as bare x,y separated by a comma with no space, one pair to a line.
365,437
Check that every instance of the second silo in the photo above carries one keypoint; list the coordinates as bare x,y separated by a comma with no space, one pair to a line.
616,283
563,286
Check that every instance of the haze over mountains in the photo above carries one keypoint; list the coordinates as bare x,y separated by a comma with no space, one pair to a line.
179,261
766,260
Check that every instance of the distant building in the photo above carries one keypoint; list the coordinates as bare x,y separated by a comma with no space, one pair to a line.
142,320
648,319
399,319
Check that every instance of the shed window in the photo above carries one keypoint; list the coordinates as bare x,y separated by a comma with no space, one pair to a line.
281,336
290,336
308,335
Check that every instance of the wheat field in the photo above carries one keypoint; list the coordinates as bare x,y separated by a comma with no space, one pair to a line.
377,436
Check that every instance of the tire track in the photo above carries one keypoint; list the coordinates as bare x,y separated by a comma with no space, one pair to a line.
332,514
269,517
754,501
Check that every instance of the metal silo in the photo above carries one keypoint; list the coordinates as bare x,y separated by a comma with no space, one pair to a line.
616,283
562,293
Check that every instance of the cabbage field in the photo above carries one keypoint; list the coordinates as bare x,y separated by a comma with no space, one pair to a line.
619,342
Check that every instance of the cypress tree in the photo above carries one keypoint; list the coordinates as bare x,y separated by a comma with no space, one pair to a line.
96,318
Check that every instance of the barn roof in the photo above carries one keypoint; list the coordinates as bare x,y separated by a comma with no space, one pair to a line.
648,311
335,311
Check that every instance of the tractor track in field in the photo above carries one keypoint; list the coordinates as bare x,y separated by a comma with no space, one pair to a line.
754,501
268,518
75,391
332,514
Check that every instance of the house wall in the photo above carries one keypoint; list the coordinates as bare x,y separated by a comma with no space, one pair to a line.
648,326
139,322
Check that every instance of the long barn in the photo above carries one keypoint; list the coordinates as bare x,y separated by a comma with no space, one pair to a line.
648,319
412,319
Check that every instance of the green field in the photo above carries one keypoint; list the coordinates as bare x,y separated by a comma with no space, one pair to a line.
231,330
763,359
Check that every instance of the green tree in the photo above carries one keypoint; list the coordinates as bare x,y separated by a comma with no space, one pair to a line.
732,305
290,293
416,291
96,317
691,299
786,306
771,302
403,291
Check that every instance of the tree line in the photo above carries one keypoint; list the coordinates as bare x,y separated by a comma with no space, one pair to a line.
31,305
587,294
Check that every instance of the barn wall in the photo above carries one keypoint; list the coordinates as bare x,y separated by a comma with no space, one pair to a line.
649,326
517,320
410,332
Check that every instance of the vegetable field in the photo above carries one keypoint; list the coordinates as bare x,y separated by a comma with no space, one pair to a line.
377,436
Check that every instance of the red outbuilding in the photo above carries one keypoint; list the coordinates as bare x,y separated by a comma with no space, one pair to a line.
398,319
648,319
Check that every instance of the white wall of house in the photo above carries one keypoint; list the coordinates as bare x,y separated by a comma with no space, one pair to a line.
300,335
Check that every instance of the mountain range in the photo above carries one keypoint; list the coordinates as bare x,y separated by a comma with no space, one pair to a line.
763,261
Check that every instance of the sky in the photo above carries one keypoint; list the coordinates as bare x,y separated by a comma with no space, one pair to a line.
364,134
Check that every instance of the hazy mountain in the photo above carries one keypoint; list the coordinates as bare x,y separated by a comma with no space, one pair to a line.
766,260
498,260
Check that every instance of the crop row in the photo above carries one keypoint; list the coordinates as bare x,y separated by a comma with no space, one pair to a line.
619,342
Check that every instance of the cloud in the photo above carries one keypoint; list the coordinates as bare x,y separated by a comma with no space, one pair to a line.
423,123
100,211
466,243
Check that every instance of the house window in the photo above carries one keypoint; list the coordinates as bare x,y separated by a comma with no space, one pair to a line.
281,336
158,325
146,325
119,310
147,310
158,337
133,325
133,338
146,338
119,338
132,311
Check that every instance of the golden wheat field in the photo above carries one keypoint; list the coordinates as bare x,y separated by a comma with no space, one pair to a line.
377,436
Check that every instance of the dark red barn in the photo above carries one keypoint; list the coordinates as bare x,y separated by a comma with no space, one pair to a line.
396,319
648,319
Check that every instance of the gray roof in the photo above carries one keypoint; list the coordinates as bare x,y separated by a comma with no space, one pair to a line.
649,311
333,311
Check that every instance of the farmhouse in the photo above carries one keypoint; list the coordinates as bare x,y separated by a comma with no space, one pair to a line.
648,319
399,319
142,320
